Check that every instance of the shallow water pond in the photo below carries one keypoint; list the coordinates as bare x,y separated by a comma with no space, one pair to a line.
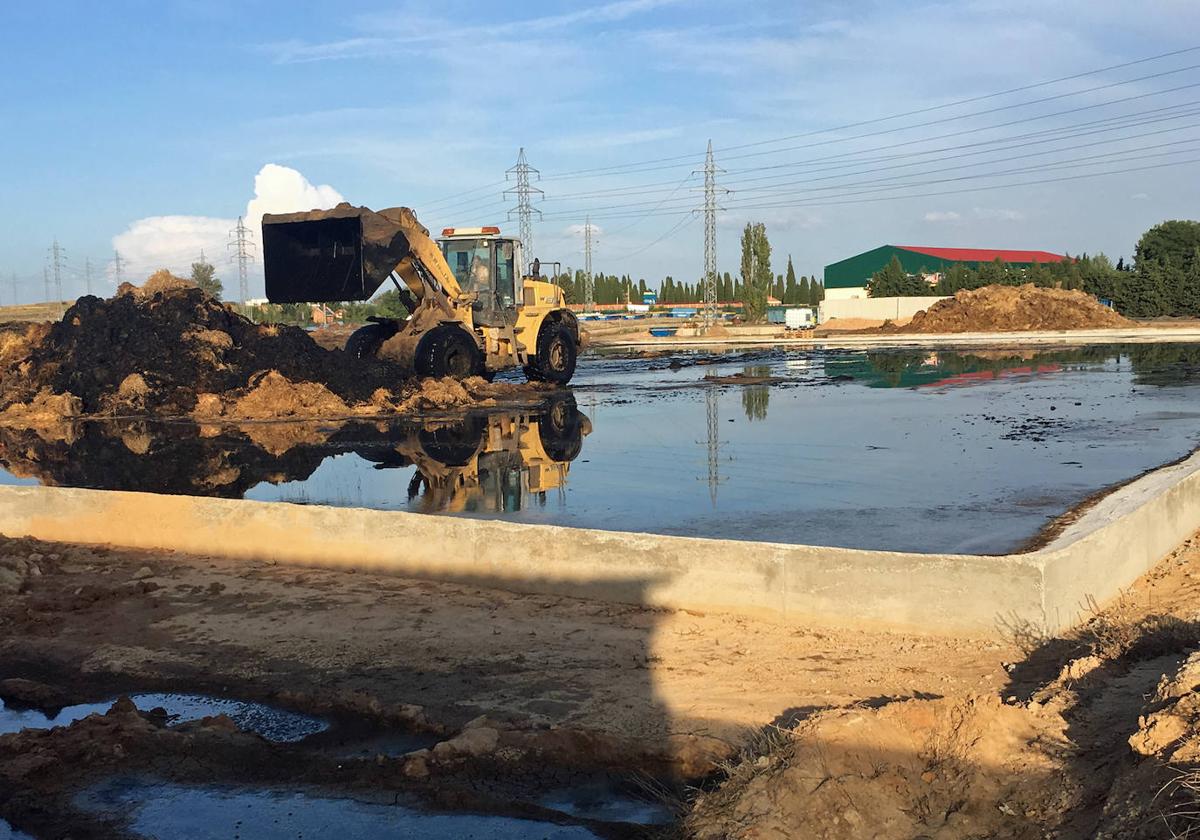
158,810
911,450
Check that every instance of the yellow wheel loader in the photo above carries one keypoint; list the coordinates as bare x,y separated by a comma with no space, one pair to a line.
473,310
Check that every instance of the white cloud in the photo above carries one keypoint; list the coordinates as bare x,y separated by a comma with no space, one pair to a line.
996,214
281,189
942,216
577,231
175,242
1141,196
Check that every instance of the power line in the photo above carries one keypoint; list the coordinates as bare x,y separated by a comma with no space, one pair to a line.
827,202
675,228
845,160
629,206
638,164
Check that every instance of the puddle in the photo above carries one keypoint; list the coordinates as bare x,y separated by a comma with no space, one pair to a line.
909,450
344,742
165,811
7,832
604,802
273,724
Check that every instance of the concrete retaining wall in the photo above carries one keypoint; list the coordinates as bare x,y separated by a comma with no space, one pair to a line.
930,593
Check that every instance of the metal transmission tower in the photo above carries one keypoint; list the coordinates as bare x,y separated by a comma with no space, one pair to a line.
46,281
589,288
714,444
57,255
525,195
242,248
87,274
118,268
710,236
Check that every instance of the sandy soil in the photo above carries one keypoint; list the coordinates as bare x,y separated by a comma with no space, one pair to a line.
670,692
1096,734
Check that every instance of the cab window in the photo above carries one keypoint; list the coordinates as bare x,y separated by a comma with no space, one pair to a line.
505,280
471,262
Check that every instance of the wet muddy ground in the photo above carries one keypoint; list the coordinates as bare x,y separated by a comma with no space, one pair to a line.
973,451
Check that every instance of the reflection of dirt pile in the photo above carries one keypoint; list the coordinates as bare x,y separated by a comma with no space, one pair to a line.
153,349
179,458
1012,308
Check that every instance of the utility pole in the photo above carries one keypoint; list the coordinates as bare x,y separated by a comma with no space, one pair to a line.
589,290
87,274
242,247
57,255
524,194
118,268
710,237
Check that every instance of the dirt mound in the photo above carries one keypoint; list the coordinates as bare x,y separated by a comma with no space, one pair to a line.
920,768
47,413
273,396
154,349
1014,308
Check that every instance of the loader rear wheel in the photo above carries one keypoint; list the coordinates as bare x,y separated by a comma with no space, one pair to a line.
448,351
365,342
556,355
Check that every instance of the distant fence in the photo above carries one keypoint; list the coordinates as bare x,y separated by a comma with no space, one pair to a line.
874,309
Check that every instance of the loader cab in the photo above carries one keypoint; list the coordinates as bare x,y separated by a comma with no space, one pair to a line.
486,264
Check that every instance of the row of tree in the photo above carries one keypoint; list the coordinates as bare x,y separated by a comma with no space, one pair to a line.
1163,280
611,288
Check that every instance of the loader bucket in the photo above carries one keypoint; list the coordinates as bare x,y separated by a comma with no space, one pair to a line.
329,255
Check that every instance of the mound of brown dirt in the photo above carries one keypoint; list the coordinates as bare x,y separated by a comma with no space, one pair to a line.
1015,308
273,396
48,414
155,349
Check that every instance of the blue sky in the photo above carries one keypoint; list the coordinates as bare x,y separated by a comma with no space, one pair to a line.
143,125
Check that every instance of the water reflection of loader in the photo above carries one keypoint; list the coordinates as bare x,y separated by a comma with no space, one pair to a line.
488,463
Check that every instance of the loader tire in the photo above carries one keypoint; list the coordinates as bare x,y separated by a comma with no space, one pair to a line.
453,444
556,356
364,343
448,351
560,429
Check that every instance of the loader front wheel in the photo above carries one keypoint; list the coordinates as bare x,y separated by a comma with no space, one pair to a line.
556,355
365,342
448,351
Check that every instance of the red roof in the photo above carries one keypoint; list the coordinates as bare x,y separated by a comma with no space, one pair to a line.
984,254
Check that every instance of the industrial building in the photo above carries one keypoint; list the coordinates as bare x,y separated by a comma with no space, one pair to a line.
848,278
